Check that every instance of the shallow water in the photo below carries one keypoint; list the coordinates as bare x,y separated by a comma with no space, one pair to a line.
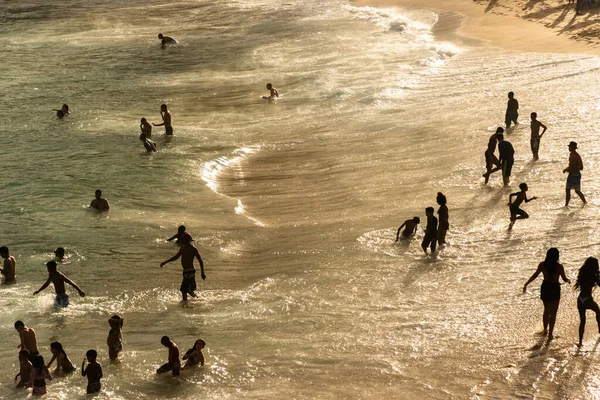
293,203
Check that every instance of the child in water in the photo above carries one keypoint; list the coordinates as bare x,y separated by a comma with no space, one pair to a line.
178,235
194,355
273,93
62,361
38,376
24,369
430,237
93,372
410,227
515,212
114,340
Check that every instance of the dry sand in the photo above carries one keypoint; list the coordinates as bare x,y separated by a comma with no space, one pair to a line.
527,25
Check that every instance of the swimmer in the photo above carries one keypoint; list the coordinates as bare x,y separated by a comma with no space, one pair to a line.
507,158
115,339
148,144
173,364
24,369
512,109
515,212
587,278
63,112
62,361
574,178
166,40
194,355
430,237
39,374
273,93
550,291
410,228
146,127
8,269
492,164
166,117
443,218
99,203
187,252
93,372
28,339
178,235
59,253
58,280
536,135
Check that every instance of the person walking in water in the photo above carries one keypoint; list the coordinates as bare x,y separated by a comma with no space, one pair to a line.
273,93
99,203
587,279
512,111
166,117
492,164
536,135
149,145
550,291
574,178
430,237
515,212
507,158
187,252
444,225
410,227
58,280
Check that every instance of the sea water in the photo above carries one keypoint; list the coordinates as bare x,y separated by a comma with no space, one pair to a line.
293,203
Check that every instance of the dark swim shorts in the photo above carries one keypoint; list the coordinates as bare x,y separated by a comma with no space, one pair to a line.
168,130
550,291
188,284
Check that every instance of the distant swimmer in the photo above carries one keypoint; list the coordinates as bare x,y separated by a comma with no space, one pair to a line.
166,117
550,292
148,144
173,364
93,371
178,235
63,112
536,135
430,237
574,178
273,93
59,253
166,40
444,224
187,252
520,197
492,164
8,270
194,355
507,158
145,127
28,339
410,228
512,111
115,339
587,279
99,203
58,280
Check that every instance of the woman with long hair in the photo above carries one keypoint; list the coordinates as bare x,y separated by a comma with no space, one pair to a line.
588,277
444,225
550,292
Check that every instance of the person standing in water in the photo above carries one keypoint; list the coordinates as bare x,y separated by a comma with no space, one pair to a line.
507,158
430,237
58,280
515,212
93,372
99,203
166,117
166,40
574,178
187,252
145,127
444,224
273,93
550,291
8,266
28,339
178,235
587,278
512,109
492,164
173,364
536,135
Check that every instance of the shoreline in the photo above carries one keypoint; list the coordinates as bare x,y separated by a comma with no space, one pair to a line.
472,24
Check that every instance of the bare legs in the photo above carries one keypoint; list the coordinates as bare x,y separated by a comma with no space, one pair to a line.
582,318
549,318
568,197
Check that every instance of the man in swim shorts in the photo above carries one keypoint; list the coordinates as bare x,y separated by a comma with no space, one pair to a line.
430,237
166,117
512,113
574,178
492,164
536,135
516,212
58,280
173,364
507,158
187,252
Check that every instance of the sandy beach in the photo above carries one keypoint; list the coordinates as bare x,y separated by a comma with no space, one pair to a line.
525,25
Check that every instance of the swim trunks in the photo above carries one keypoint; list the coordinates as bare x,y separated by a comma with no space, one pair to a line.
515,210
550,291
427,241
188,284
535,145
507,167
62,300
168,130
511,117
574,181
94,387
175,368
117,348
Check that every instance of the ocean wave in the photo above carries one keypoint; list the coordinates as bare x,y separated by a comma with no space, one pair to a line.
392,20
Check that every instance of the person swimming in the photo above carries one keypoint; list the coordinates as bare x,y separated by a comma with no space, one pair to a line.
166,40
63,112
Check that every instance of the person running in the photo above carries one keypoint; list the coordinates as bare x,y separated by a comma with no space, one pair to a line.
8,269
148,144
93,372
28,339
166,40
39,374
587,278
536,135
444,224
550,291
512,109
58,280
173,364
146,127
574,178
430,237
273,93
99,203
115,339
187,252
492,164
62,360
166,117
410,228
507,158
515,212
